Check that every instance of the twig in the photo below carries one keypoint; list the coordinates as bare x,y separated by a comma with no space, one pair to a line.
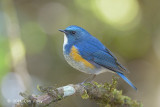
104,94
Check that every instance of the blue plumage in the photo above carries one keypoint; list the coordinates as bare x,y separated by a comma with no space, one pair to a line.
93,51
127,80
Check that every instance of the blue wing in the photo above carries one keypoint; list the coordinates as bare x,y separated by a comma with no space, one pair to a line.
94,51
106,60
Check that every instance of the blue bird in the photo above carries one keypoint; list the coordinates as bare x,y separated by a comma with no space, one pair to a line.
87,54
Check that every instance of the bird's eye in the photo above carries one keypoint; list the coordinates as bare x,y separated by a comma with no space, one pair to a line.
73,32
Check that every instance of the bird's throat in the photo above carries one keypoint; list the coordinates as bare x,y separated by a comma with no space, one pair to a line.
65,42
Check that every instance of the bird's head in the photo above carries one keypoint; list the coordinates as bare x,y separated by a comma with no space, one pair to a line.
75,33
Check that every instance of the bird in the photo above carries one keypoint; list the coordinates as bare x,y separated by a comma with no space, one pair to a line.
87,54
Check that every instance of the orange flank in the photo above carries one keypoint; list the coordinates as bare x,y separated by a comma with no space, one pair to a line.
75,55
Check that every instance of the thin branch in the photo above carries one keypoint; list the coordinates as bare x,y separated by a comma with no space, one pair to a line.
104,94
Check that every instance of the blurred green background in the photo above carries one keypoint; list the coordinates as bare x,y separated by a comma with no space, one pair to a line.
31,45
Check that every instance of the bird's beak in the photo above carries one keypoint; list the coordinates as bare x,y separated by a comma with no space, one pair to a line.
61,30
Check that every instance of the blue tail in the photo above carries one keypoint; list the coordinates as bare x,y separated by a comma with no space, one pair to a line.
127,80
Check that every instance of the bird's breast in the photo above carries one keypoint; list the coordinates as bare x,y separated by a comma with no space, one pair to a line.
74,53
79,63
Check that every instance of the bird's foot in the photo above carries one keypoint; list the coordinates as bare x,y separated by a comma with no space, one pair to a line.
82,84
86,80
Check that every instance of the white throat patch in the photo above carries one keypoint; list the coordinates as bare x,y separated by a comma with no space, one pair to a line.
65,41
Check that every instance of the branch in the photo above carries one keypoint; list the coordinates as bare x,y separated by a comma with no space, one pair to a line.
104,94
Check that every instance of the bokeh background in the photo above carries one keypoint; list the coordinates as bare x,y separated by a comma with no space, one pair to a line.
31,45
